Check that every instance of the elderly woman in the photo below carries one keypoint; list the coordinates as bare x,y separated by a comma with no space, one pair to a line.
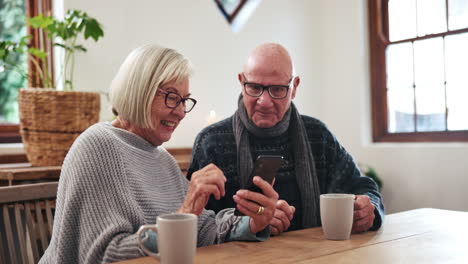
117,177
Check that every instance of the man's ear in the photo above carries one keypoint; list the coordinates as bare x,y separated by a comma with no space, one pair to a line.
241,82
239,76
297,80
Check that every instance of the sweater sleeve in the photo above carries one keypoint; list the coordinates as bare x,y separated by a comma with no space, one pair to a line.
344,177
224,227
241,232
96,218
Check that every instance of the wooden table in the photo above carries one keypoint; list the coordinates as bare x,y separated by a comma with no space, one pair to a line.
416,236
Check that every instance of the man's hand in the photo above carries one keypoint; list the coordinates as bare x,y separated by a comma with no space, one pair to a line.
364,216
281,220
260,207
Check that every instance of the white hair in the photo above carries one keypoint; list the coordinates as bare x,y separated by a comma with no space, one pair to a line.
144,70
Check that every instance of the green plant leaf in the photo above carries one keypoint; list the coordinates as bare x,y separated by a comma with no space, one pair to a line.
38,53
6,47
68,85
25,40
59,28
3,53
75,21
93,29
40,21
371,173
76,24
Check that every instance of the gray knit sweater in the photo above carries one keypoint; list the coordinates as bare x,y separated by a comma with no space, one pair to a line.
113,182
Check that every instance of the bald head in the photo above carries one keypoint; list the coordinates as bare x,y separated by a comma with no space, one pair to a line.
269,65
269,59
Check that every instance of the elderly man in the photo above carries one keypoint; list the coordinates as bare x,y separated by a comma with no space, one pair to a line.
267,122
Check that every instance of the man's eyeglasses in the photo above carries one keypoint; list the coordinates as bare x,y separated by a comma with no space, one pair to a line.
173,100
275,91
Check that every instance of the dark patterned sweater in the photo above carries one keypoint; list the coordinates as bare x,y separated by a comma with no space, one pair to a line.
336,170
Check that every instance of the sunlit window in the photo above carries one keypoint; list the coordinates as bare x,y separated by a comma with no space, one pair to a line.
419,60
12,28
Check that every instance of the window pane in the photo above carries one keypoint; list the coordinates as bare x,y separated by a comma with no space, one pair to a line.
456,53
12,28
400,109
458,14
431,17
400,92
402,19
429,81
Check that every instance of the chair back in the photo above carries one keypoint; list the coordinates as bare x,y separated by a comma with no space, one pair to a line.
26,220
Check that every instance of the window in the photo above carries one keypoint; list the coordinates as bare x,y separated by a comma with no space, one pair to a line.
419,60
12,27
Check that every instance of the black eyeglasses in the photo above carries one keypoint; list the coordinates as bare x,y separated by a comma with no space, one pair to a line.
276,91
172,100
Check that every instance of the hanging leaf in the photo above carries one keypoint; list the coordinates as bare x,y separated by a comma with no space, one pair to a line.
93,30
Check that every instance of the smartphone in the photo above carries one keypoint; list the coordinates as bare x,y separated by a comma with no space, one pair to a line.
266,167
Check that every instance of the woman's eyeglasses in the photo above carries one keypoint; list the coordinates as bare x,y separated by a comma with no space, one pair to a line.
173,100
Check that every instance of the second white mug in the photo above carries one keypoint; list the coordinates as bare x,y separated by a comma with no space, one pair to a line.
336,213
176,236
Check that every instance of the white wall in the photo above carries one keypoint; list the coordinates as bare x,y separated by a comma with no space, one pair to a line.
414,175
327,40
198,30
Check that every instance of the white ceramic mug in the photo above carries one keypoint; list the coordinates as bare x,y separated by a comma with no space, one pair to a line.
336,213
176,236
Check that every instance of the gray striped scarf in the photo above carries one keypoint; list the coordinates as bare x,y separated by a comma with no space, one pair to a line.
306,175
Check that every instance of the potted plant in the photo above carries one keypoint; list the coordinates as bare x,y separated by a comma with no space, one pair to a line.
50,120
371,173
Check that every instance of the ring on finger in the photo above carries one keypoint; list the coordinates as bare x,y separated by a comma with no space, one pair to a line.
260,210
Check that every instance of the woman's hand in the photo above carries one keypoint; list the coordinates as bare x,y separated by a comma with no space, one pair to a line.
260,207
207,181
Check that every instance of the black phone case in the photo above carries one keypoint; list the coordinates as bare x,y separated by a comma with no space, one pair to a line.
266,167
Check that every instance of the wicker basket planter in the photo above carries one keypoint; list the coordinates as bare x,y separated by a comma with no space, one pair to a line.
51,120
